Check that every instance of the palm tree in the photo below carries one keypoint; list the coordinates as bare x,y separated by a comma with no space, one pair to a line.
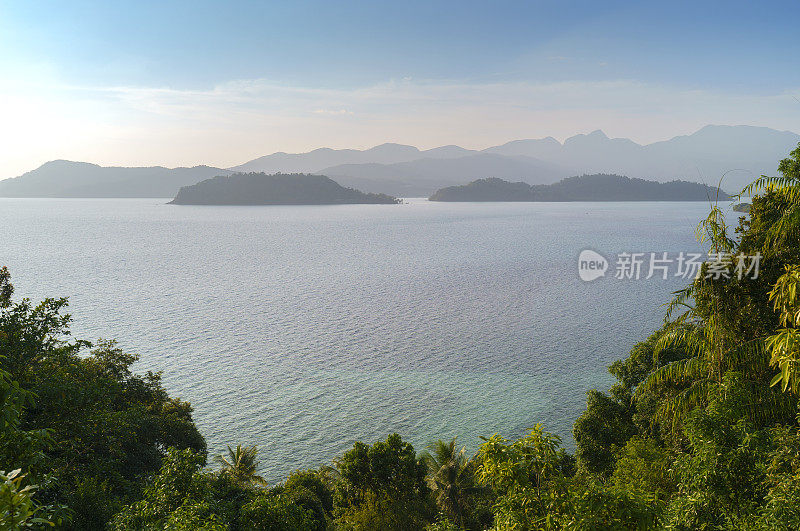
787,190
705,335
784,345
450,478
712,349
241,466
711,341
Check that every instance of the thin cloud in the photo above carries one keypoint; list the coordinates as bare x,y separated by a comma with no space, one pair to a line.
339,112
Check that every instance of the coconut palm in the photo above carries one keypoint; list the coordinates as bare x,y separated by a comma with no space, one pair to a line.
241,466
450,477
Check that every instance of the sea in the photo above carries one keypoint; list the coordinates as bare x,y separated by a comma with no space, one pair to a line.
302,329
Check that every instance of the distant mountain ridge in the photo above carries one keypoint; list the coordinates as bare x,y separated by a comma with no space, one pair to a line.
326,157
598,187
741,153
64,178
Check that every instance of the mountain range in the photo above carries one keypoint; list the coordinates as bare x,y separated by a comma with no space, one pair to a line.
739,153
64,178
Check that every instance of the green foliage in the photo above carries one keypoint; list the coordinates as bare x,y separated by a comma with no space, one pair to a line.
17,508
527,476
18,446
595,506
181,496
311,490
173,499
442,524
721,477
382,486
610,421
645,468
601,431
279,512
6,288
784,345
693,404
92,502
781,230
786,188
225,498
535,493
80,423
782,507
731,325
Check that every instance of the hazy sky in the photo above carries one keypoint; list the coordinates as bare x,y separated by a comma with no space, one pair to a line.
185,83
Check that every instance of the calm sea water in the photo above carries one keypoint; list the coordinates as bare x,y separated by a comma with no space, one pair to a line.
302,329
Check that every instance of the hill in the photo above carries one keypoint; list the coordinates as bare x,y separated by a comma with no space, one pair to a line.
599,187
277,189
64,178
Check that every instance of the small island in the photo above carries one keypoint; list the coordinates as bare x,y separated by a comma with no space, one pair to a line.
276,189
598,187
742,207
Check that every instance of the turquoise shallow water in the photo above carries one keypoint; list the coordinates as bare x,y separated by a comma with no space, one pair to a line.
302,329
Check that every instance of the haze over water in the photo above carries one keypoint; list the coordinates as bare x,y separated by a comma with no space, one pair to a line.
305,328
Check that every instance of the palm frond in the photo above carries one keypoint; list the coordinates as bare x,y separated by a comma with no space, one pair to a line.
679,301
678,407
771,184
674,373
690,337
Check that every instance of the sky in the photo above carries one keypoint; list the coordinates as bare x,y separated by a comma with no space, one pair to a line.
145,83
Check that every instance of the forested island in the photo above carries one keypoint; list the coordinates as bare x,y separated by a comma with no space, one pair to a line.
275,189
597,187
699,431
